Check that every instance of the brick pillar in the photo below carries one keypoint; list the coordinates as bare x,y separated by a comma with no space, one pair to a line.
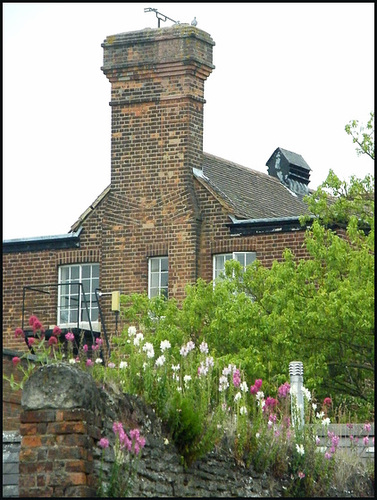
60,423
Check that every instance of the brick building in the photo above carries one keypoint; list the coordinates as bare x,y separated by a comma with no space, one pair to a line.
171,214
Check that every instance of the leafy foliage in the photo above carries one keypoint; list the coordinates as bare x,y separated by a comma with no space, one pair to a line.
319,310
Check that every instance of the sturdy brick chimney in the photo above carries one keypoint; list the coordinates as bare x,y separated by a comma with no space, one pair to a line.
157,97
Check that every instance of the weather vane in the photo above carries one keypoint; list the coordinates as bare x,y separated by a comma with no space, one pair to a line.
162,17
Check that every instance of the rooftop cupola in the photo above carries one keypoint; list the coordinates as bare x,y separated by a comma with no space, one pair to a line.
291,169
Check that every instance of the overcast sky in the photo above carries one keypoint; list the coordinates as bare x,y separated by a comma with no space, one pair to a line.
288,75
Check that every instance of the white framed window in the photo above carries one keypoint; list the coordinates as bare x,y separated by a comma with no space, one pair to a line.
244,258
76,296
158,276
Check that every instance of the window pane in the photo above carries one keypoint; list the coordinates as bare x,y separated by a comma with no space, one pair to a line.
164,264
64,274
164,280
250,257
95,271
94,314
64,301
241,258
153,292
154,265
85,272
154,280
75,273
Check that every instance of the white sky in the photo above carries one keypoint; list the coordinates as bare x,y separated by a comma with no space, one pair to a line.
288,75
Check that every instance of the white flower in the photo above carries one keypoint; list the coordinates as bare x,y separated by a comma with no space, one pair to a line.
223,383
139,337
300,449
320,415
244,387
165,344
209,361
259,395
179,389
227,370
145,365
148,348
243,410
257,435
72,361
175,368
98,361
314,406
160,361
190,346
204,347
123,364
202,369
131,331
237,396
186,379
325,421
166,441
307,394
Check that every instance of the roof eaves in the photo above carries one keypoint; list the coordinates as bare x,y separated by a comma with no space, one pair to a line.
247,227
39,243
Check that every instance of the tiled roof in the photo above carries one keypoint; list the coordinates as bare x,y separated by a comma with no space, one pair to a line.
251,194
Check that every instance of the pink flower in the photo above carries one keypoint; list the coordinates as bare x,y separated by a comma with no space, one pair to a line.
253,389
89,362
283,390
37,325
117,427
327,402
32,320
19,332
366,440
335,440
30,341
52,340
103,443
236,378
367,427
258,383
271,402
301,475
99,341
328,456
16,360
111,365
95,347
350,426
85,347
70,337
56,331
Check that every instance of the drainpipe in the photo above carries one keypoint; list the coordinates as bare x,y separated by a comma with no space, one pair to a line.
296,372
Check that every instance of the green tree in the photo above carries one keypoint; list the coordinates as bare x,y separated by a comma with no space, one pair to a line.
319,310
362,136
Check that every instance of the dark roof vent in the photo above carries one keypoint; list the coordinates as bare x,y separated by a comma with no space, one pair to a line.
291,169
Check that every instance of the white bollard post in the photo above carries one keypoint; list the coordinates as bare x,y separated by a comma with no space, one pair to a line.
296,373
